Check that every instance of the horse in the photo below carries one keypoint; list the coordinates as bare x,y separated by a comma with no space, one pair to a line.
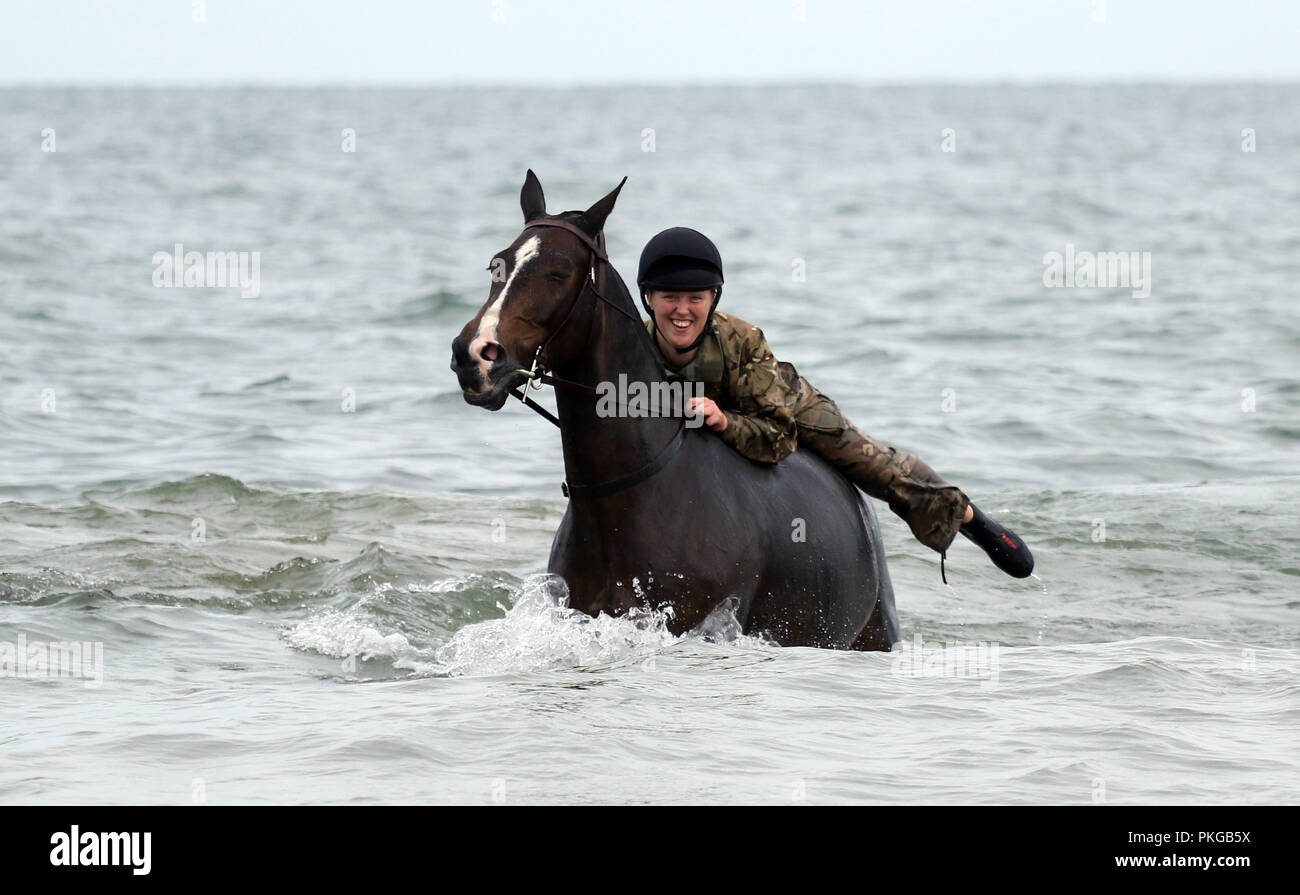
663,514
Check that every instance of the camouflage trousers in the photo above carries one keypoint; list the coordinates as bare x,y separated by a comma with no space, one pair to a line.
932,508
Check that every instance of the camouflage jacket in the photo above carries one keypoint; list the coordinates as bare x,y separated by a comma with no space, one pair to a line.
764,400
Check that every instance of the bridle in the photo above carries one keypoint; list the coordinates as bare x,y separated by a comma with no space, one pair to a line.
537,373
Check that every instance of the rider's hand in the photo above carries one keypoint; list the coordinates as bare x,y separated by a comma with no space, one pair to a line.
714,418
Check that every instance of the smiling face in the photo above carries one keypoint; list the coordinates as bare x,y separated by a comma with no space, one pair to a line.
679,316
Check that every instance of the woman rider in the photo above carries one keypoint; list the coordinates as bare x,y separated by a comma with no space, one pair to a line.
764,409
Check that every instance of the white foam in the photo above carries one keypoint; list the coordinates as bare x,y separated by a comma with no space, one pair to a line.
538,632
349,635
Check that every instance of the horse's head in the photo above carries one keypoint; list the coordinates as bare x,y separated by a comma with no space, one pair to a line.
535,282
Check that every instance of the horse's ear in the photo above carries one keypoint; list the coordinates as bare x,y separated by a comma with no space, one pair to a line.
531,198
593,219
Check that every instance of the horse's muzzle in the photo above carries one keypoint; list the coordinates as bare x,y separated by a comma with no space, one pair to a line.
491,391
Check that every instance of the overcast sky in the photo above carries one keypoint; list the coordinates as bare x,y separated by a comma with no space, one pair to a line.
601,41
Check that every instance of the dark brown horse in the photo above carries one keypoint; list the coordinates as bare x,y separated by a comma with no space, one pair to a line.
662,514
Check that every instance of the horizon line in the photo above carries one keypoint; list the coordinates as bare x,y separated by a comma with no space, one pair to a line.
412,84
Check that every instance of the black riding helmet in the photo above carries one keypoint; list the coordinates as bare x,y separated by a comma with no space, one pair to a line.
683,259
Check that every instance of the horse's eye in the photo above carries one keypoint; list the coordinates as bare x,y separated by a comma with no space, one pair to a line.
559,276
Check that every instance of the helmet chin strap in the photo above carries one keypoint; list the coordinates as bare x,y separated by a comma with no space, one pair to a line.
698,339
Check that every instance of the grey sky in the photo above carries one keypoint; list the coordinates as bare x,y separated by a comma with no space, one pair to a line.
601,41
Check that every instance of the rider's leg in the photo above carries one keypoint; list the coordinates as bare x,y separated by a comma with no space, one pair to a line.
933,509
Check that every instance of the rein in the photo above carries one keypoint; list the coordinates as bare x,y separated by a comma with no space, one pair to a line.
537,372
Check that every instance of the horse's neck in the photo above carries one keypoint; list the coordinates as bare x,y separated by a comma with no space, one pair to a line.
599,449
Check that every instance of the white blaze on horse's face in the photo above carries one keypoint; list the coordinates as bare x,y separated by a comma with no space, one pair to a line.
487,324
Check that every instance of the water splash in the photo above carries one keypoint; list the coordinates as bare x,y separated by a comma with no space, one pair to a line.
540,631
351,634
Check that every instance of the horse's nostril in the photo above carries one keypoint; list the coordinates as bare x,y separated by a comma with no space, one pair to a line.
490,352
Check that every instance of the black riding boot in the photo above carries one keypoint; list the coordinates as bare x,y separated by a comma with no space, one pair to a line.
1007,551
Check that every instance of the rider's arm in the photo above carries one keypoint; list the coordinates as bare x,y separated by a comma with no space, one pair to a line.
760,415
